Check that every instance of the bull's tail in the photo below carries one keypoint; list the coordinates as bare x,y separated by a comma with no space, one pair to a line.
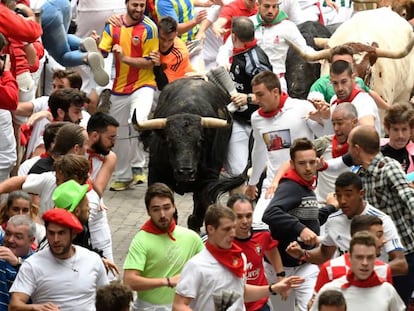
223,185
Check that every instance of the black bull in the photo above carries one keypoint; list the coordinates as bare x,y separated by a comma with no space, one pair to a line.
300,74
185,154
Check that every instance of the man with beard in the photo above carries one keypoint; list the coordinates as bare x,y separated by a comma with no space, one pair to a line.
17,241
158,252
102,132
61,276
132,44
342,78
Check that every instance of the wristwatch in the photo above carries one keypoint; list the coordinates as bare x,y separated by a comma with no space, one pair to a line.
249,98
282,274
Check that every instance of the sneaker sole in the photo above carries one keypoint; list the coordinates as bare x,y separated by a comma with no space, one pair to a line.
105,101
99,74
89,45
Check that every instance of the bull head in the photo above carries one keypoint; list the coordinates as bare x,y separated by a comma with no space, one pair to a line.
161,123
325,53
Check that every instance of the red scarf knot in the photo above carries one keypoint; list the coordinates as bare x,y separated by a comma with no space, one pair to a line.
247,46
271,114
230,258
355,91
151,228
293,175
372,281
337,148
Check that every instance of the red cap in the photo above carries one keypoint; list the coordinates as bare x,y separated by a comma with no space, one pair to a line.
64,218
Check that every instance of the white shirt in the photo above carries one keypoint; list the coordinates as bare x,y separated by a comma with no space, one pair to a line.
290,123
8,154
383,297
338,226
71,283
365,106
203,276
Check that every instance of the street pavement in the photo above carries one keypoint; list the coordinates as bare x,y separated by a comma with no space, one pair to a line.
127,213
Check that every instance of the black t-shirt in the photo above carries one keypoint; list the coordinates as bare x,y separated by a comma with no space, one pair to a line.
42,166
401,155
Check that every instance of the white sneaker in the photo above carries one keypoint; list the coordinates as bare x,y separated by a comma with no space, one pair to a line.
88,45
95,61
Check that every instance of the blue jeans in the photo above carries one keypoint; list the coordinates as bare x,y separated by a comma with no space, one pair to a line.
64,48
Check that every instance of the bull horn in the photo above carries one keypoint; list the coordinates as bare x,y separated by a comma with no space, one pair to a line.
310,57
153,124
321,42
213,122
398,53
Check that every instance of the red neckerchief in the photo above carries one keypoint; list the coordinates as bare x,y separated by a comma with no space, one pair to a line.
230,258
45,155
91,155
372,281
247,46
338,149
355,91
90,184
151,228
293,175
271,114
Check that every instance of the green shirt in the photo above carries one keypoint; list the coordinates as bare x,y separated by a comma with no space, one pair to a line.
158,256
324,86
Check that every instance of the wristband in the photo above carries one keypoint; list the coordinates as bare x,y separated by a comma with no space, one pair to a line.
271,291
169,283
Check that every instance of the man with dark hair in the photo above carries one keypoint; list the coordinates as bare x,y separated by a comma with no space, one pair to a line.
132,43
331,300
44,277
70,138
102,132
248,59
322,88
361,286
200,288
66,105
398,121
350,199
294,214
387,189
279,120
158,252
49,136
255,245
113,297
342,78
173,56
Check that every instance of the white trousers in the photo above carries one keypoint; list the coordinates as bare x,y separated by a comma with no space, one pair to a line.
238,152
126,146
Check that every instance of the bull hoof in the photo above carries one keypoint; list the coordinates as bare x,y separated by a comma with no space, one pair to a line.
193,223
